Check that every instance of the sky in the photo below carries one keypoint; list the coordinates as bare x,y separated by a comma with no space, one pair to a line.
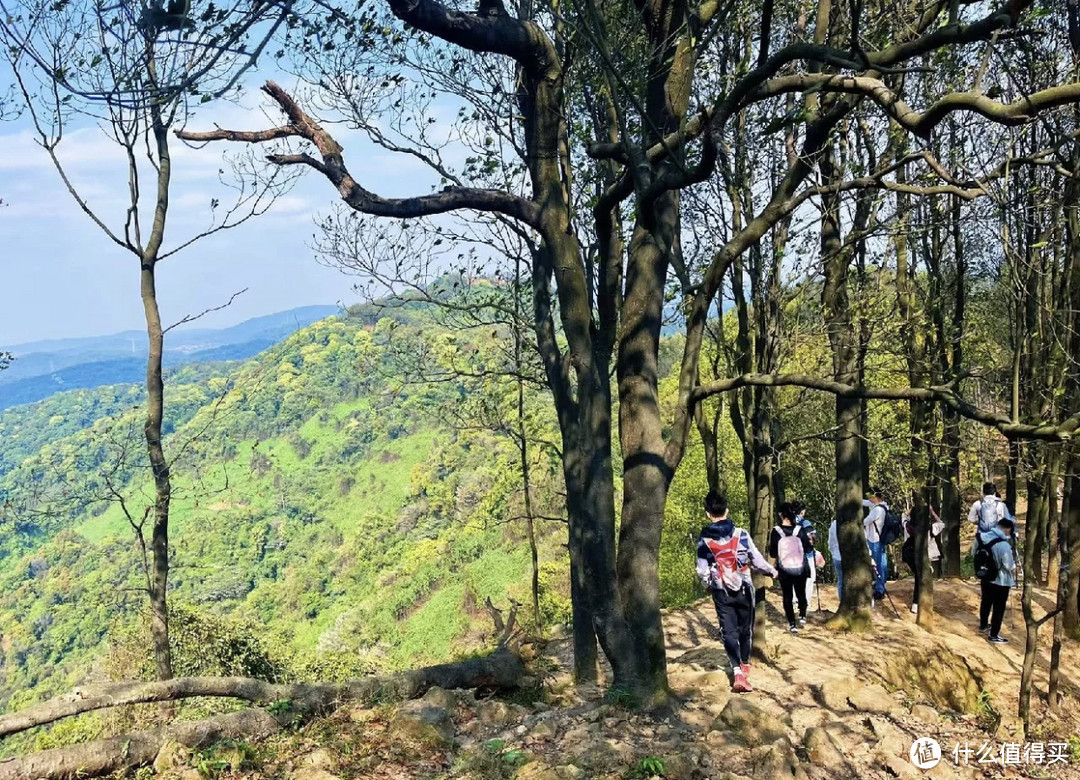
60,276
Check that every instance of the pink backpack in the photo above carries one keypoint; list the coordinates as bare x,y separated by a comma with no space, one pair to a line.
789,552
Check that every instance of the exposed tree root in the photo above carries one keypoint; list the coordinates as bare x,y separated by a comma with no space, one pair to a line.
500,670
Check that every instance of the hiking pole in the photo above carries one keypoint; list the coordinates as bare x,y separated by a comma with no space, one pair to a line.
817,590
894,609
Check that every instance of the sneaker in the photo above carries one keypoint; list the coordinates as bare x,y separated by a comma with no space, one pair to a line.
745,669
998,640
914,609
984,630
794,629
802,621
741,684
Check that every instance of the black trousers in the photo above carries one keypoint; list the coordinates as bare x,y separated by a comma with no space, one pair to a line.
793,586
992,606
735,611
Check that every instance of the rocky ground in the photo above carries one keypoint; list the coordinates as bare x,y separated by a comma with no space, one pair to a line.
826,705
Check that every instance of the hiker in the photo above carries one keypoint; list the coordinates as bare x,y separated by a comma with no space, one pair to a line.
907,551
724,557
834,551
995,567
989,509
875,526
789,544
811,557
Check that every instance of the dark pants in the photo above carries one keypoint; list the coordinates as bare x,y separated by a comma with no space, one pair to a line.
992,606
793,586
735,611
915,578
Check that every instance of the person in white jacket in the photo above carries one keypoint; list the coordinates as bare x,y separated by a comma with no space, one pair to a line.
874,523
838,567
989,510
933,551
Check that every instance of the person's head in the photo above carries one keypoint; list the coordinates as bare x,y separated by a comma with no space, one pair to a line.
716,505
876,496
799,508
787,514
989,489
1006,526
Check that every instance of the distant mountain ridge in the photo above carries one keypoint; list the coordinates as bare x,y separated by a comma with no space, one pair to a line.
45,367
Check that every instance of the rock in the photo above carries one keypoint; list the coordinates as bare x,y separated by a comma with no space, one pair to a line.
900,767
1010,728
307,773
191,774
681,766
539,706
545,729
536,770
423,722
528,681
570,772
440,697
950,680
493,712
873,698
751,724
172,755
320,759
925,714
834,693
822,749
777,760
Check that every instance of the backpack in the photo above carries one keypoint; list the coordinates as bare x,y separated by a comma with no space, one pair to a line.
728,569
790,557
986,567
891,529
989,513
907,552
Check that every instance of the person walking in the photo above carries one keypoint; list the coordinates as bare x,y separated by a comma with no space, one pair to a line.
789,545
811,557
838,567
989,509
874,524
725,555
995,567
907,551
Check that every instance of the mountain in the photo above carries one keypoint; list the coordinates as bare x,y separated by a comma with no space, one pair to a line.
326,505
46,367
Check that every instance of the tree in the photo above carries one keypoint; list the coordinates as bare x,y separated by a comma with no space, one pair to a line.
643,77
135,72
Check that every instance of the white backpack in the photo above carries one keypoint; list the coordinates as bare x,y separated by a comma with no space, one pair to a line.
789,552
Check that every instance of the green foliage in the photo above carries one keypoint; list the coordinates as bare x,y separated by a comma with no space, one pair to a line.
649,766
224,757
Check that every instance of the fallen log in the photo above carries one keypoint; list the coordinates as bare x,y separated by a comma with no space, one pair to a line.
501,670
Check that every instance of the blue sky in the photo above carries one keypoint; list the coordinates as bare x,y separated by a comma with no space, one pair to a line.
60,276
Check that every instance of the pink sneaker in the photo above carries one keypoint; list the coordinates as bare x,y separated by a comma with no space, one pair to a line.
745,669
741,684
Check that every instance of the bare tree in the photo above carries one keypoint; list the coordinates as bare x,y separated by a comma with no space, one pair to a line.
134,69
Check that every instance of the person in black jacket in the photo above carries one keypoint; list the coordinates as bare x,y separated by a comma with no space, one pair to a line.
789,545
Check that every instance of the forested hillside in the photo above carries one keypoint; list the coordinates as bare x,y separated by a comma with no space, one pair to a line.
345,513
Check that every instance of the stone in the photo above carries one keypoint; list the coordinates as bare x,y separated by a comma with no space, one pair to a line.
834,693
925,714
311,773
172,755
440,697
570,772
320,759
822,750
493,712
423,722
1010,728
777,760
873,698
681,766
191,774
545,729
539,706
536,770
751,724
901,767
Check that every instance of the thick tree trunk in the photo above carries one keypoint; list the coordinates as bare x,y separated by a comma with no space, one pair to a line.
1071,551
951,506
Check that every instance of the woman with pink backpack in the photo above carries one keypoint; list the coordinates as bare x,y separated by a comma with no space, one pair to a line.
789,544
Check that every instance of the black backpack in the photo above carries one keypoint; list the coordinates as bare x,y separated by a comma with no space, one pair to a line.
986,567
907,552
891,529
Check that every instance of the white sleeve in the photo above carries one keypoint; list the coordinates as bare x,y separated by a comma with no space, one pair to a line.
973,514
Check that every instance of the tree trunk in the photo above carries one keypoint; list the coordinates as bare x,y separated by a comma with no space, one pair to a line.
159,544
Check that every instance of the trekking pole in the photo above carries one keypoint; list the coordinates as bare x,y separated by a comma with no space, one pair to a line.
894,609
817,590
